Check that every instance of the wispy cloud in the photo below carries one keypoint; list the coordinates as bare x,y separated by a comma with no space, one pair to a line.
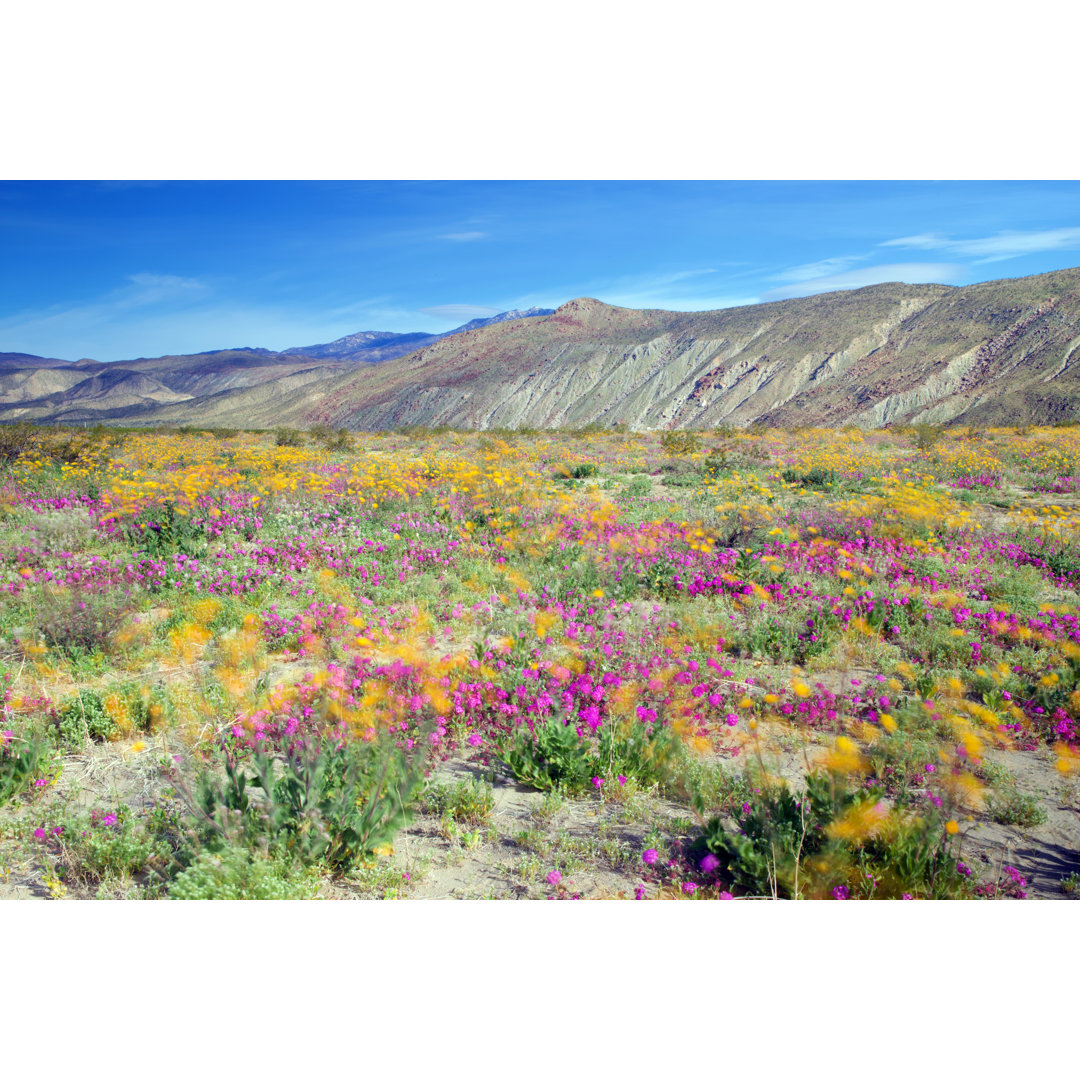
464,237
462,312
162,314
823,268
1009,244
911,273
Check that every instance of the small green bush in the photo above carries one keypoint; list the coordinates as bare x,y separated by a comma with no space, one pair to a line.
326,801
237,873
83,716
1011,807
680,443
469,802
287,436
584,469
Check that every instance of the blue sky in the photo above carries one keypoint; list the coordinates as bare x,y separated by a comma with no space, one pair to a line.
115,270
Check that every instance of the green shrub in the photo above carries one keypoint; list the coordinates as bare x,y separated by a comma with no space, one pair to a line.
162,530
553,755
680,443
287,436
584,469
469,802
22,761
791,844
1011,807
327,802
237,873
82,716
104,846
79,621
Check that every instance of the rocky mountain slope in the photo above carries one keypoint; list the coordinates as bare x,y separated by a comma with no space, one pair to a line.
997,352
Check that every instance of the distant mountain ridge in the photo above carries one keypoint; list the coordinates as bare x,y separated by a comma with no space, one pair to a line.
998,352
378,345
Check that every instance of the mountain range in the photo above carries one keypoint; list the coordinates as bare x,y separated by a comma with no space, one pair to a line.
998,352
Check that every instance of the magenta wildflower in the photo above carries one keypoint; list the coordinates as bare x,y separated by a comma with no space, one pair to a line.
621,779
709,864
597,782
109,819
39,834
639,893
650,856
554,878
689,888
726,896
841,892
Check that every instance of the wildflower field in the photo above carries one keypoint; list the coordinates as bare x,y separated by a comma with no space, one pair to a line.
745,663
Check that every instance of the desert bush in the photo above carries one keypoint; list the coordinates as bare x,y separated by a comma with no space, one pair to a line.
238,873
584,469
101,846
331,439
680,443
288,436
717,463
554,756
1012,807
83,716
469,802
327,801
834,839
70,621
17,440
927,436
162,530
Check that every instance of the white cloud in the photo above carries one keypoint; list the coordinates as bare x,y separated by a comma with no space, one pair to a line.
461,312
464,237
1003,245
911,273
824,268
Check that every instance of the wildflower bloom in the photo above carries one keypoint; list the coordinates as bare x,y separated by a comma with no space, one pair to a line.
39,834
650,856
841,892
554,878
689,888
709,864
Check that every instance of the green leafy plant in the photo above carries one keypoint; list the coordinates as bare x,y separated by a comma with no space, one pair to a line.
584,469
553,755
468,801
238,873
82,716
330,802
1012,807
103,846
22,761
832,839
